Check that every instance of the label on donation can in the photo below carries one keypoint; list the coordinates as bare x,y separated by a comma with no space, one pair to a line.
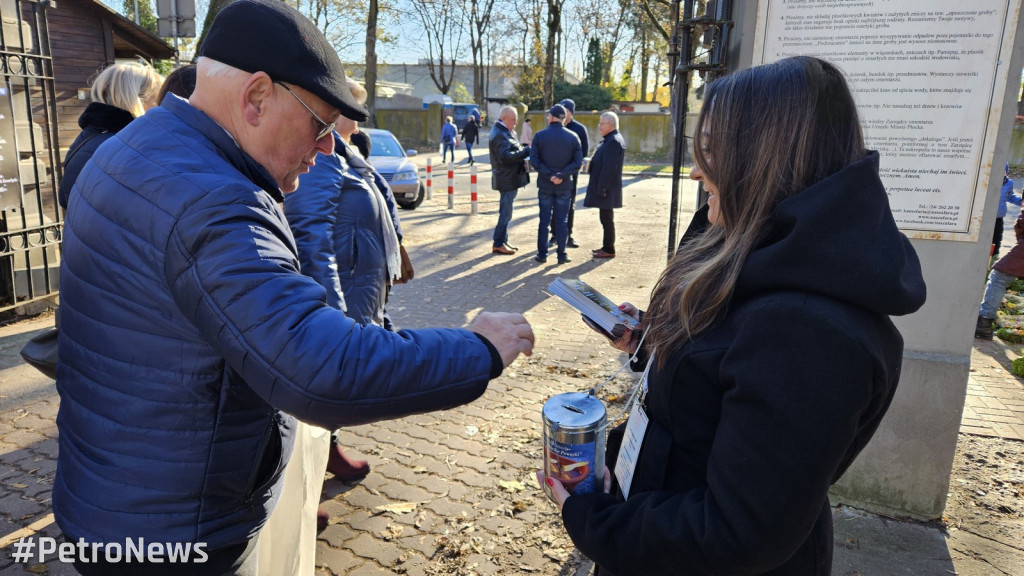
574,441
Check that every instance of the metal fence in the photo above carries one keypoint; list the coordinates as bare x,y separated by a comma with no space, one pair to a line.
30,218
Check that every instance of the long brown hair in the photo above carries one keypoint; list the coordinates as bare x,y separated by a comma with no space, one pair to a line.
764,134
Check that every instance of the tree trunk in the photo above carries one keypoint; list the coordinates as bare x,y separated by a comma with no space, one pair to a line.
371,64
645,62
554,24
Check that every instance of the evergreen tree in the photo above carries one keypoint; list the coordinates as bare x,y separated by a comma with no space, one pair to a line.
147,14
595,65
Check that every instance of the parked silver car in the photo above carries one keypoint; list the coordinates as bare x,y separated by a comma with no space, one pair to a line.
388,157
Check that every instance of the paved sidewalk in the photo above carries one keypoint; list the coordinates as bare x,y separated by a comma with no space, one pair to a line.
452,493
995,397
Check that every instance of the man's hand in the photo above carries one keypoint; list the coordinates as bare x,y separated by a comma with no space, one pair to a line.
509,333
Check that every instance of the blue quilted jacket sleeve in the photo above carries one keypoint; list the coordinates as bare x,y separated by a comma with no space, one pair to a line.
234,277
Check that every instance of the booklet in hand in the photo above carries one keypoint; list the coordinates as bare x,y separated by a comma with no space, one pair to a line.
594,306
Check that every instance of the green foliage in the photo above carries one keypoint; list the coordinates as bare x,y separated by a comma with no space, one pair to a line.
529,89
164,67
147,14
1016,286
595,63
1017,368
586,96
459,93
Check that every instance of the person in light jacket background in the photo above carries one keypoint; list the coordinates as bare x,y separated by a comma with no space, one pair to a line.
526,136
604,191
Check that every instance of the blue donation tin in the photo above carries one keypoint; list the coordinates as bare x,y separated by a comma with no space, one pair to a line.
574,441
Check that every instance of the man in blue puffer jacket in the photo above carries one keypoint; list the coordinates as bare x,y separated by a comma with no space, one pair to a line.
189,338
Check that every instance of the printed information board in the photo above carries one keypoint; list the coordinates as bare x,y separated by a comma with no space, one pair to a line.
10,177
929,80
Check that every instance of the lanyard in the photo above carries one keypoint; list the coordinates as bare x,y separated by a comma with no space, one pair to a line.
639,390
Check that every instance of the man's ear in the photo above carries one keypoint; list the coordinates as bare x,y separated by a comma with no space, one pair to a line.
256,92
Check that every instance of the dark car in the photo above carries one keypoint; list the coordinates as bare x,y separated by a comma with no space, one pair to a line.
388,157
461,113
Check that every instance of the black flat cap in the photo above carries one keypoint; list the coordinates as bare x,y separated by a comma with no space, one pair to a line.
273,37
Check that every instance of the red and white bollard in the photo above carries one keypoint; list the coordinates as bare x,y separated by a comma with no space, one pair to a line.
451,185
430,174
472,189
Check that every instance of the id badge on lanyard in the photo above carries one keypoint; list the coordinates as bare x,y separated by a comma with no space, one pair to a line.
636,427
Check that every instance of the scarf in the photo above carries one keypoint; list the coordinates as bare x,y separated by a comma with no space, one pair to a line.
391,250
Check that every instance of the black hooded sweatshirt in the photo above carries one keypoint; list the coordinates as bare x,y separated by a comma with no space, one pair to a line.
754,419
98,122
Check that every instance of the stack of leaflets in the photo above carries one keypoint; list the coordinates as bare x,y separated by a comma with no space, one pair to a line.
594,306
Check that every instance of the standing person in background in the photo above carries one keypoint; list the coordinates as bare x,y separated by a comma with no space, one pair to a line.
508,173
604,190
1006,195
471,135
120,93
449,138
557,156
1003,273
527,135
581,132
361,140
190,340
772,355
348,234
181,82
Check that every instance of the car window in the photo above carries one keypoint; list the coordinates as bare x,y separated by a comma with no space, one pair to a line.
385,145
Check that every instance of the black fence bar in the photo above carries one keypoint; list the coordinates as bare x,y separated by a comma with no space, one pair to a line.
30,217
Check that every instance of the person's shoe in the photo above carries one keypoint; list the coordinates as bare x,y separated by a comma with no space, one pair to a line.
603,254
503,249
983,329
343,467
511,247
541,259
570,243
323,519
564,259
471,162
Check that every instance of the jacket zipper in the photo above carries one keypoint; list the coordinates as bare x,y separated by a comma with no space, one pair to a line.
251,484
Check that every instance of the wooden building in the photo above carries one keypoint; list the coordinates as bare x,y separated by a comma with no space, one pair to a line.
85,37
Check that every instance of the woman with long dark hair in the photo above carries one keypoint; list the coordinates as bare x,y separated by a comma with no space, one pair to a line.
773,358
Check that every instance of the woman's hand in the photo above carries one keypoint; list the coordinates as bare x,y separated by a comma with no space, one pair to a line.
560,494
628,340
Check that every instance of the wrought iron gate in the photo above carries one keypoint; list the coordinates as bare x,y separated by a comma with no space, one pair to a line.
30,218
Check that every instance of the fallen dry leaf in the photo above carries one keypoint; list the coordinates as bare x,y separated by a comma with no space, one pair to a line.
399,508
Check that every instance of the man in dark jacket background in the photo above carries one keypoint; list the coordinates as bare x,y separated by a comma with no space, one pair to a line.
604,191
556,154
471,135
581,132
508,173
190,341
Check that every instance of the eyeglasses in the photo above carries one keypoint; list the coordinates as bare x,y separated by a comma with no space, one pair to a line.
325,127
